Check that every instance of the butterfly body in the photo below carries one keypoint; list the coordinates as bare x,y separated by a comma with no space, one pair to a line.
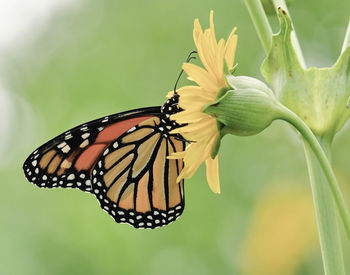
122,160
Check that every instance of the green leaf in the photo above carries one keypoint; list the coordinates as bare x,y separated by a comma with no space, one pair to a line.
318,95
269,7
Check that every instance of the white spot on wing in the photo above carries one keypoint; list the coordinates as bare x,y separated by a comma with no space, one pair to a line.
131,129
66,149
84,143
86,135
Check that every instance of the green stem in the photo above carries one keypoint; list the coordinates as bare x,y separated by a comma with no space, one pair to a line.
295,41
326,214
315,146
261,23
346,42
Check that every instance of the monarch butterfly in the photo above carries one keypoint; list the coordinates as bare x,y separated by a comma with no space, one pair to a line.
122,160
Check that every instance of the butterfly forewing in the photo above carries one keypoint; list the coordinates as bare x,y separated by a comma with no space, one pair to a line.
67,160
134,180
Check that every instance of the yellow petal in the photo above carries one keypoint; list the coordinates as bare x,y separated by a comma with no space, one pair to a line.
196,90
205,53
220,76
192,160
212,29
212,167
198,126
197,31
187,116
201,77
200,133
230,49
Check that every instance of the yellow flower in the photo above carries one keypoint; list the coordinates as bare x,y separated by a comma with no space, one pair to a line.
200,127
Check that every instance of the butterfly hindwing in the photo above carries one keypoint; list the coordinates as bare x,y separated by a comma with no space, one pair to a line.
67,160
134,180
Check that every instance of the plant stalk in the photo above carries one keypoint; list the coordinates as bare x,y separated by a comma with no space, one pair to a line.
261,23
324,164
326,192
326,214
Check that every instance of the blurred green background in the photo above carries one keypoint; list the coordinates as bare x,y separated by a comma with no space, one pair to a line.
103,57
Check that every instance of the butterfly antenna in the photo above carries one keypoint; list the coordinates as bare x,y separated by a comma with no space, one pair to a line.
189,58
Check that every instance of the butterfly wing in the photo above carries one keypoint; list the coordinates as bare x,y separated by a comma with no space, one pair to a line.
67,160
134,180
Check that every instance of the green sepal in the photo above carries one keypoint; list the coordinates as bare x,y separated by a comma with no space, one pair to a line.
317,95
215,149
222,92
